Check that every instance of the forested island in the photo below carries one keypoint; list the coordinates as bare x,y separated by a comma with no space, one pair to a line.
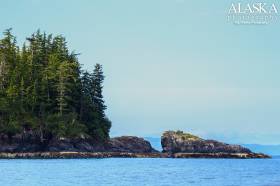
45,94
51,108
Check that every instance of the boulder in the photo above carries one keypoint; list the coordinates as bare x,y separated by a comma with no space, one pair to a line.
130,144
174,142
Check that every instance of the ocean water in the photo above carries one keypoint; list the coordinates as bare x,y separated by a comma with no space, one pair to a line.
142,172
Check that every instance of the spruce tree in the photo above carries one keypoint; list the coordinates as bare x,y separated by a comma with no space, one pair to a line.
102,122
44,92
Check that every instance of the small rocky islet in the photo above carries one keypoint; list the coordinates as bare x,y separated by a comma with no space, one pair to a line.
175,144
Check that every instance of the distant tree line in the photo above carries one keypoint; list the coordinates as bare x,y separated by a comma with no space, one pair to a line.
44,91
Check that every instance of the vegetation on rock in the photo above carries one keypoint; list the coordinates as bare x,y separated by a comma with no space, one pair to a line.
180,142
182,135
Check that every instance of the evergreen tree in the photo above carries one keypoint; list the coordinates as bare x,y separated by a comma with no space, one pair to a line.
43,90
102,124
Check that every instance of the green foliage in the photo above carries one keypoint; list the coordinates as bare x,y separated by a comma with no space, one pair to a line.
11,127
92,102
186,136
65,126
43,89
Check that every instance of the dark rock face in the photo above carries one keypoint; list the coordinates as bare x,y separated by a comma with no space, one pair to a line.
130,144
74,145
19,144
174,142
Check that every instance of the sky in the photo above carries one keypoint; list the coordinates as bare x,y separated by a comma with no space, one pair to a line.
169,64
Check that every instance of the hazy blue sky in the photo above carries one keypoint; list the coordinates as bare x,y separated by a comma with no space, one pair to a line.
169,64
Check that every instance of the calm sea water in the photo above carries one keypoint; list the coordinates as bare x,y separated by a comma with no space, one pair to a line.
133,172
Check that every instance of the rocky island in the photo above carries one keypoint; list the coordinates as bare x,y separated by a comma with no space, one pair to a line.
184,145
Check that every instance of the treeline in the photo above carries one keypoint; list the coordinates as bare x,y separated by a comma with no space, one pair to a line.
43,91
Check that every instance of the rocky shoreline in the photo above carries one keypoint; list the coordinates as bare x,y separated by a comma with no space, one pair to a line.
175,144
81,155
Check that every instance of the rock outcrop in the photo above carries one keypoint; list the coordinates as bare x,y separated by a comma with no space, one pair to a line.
19,144
182,144
74,145
130,144
175,145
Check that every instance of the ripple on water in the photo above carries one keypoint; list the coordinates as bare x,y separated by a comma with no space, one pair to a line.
139,172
